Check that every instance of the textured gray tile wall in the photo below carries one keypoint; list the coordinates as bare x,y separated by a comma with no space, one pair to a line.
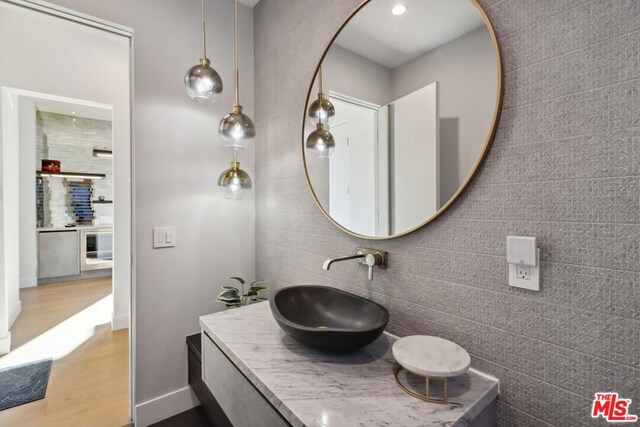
565,167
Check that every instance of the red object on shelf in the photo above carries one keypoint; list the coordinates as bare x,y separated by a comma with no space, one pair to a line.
51,165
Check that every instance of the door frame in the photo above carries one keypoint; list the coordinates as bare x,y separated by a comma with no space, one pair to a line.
97,23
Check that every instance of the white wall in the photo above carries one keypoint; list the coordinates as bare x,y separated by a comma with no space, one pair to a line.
467,100
27,186
350,74
9,217
178,157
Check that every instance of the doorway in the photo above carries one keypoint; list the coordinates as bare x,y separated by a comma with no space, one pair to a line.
66,208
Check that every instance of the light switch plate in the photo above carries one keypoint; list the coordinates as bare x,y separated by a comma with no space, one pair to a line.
524,276
164,237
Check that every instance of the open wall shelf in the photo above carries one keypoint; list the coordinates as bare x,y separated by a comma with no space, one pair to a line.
70,175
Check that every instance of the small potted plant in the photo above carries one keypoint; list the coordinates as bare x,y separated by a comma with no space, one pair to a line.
231,296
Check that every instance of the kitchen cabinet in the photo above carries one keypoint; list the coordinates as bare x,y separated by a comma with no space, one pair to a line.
58,253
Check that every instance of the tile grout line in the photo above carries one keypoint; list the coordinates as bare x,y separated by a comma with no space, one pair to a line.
555,98
493,291
606,40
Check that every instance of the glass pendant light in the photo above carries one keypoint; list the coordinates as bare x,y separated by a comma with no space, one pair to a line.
234,182
203,83
236,128
321,110
320,142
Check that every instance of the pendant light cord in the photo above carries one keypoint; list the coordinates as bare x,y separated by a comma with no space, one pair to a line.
320,78
235,51
204,39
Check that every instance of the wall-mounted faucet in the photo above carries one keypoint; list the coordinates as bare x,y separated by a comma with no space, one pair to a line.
369,257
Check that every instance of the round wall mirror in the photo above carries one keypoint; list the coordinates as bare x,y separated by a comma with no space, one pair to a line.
400,113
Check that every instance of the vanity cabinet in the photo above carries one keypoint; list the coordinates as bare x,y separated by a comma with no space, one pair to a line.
242,403
58,254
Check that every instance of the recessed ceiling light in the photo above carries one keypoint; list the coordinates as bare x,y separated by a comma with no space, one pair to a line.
73,112
399,9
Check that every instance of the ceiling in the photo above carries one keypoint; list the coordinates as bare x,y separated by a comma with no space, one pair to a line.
249,3
390,40
71,109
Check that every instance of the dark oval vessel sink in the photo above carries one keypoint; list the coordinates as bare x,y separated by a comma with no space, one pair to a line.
327,318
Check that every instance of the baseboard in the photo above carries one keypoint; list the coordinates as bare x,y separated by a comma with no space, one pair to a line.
120,322
165,406
14,313
28,282
5,344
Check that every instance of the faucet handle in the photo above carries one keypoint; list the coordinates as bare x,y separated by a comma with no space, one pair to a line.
372,259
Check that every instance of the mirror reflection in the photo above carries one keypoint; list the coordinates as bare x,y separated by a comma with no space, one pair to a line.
401,113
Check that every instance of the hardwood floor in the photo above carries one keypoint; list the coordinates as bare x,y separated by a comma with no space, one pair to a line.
90,385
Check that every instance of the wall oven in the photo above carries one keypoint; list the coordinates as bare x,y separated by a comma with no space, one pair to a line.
96,249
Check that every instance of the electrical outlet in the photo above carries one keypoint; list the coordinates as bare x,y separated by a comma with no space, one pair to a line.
523,272
525,276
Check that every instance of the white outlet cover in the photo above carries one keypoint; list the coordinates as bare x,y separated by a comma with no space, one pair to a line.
533,283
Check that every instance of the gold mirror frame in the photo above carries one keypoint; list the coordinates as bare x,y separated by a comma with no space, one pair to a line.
476,166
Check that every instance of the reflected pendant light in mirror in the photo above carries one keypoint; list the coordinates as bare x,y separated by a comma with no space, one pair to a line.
320,143
234,183
236,128
321,110
203,83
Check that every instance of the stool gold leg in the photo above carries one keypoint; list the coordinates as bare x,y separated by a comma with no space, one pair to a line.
427,396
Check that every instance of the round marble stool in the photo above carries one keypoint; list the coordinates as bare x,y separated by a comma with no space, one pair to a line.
432,358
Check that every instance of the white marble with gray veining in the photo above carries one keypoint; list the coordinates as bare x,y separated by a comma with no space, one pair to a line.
311,388
431,356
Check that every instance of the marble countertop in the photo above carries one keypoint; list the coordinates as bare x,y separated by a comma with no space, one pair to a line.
311,388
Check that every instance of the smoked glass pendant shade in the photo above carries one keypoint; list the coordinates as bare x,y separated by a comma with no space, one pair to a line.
320,142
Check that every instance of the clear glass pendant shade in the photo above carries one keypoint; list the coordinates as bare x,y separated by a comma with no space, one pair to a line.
234,183
320,142
236,129
203,83
321,111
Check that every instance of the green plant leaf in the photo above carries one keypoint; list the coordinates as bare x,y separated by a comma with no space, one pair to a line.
258,281
229,287
257,288
228,294
239,279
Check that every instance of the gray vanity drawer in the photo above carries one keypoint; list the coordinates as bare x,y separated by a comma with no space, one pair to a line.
241,402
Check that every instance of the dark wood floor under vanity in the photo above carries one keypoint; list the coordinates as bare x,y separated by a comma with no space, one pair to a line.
194,417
